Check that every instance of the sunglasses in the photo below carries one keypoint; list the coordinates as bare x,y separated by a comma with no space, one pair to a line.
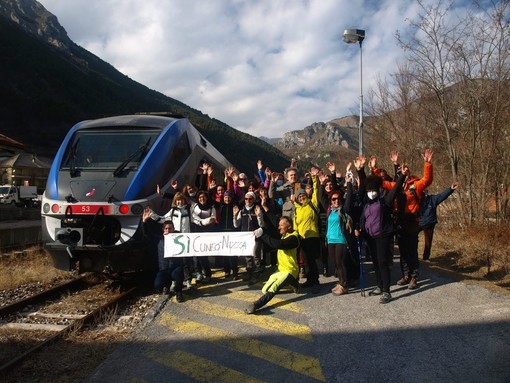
335,199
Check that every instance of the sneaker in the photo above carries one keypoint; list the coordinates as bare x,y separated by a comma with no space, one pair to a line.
198,276
188,284
376,291
172,287
250,309
178,297
385,298
403,281
413,284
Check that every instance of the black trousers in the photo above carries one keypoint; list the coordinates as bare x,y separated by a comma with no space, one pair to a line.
381,251
311,251
408,246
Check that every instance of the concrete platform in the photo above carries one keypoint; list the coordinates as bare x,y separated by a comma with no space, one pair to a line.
19,226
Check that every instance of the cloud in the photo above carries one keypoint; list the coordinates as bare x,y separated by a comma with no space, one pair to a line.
264,67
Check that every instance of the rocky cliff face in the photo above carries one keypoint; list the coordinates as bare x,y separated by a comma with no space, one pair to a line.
320,134
336,140
32,17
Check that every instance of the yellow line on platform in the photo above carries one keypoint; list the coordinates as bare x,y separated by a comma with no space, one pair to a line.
200,369
265,322
276,302
294,361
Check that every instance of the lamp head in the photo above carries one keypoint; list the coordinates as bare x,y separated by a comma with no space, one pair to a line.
352,36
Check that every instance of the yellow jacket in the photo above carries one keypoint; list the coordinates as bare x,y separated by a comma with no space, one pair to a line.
306,219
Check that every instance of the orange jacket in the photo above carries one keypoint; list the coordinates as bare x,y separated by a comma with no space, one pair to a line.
418,184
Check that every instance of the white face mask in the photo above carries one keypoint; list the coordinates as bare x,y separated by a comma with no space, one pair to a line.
372,194
279,183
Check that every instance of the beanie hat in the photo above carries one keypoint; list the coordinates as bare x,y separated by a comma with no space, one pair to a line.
373,182
228,193
299,192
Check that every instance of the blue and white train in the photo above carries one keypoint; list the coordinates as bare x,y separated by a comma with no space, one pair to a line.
102,177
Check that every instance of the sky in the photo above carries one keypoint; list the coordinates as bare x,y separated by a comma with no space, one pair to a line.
264,67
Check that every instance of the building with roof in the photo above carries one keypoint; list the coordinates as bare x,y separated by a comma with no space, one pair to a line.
18,167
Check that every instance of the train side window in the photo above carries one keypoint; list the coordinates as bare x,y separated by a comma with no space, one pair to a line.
180,154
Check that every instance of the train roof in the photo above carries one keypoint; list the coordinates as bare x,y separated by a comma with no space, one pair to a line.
145,120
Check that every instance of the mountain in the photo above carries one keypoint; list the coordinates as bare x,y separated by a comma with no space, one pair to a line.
48,83
335,141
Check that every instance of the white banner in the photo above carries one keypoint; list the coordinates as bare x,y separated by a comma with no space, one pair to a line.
230,243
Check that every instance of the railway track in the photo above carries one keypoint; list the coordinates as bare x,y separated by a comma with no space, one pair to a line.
52,315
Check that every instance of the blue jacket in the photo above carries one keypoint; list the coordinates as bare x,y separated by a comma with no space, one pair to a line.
428,214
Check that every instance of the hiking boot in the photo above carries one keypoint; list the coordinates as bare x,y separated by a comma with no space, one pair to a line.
248,276
403,281
413,284
250,309
178,297
385,298
308,284
375,291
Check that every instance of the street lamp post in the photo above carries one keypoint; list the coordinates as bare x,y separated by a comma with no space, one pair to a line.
353,36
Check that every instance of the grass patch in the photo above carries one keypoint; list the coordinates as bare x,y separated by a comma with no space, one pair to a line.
481,252
29,266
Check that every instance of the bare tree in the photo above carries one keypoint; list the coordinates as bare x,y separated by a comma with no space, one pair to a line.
452,93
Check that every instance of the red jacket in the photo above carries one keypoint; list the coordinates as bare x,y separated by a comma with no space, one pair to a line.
412,206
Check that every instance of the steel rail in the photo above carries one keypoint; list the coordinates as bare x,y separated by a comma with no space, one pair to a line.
75,326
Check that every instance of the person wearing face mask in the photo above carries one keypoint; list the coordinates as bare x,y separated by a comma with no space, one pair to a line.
245,219
203,217
408,215
378,226
226,223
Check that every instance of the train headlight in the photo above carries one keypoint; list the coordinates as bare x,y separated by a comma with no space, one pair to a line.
137,209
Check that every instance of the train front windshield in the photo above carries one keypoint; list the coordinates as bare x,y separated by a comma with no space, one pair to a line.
108,149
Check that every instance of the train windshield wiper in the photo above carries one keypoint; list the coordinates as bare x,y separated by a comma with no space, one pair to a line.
73,154
141,150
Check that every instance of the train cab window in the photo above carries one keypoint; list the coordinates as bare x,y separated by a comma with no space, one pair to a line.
107,149
180,154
